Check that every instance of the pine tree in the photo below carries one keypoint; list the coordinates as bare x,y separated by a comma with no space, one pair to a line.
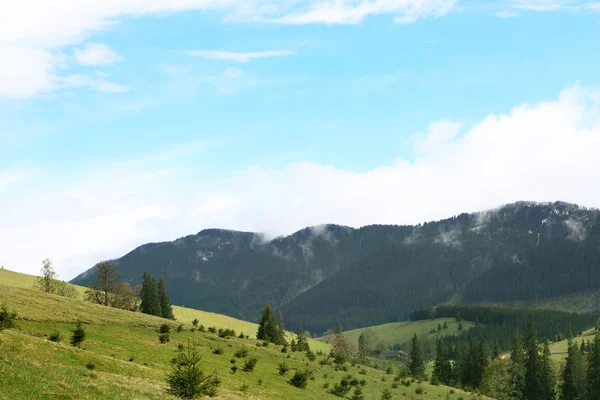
574,380
363,348
445,325
532,364
338,330
442,370
78,335
165,305
416,364
358,393
150,303
547,381
495,350
480,362
302,342
280,330
593,371
267,329
188,380
517,368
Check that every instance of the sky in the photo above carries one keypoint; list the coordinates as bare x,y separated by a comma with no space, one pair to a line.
124,122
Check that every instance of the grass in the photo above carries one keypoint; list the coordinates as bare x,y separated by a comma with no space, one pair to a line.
130,363
402,332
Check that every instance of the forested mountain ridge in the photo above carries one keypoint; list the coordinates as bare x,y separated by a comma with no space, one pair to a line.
380,273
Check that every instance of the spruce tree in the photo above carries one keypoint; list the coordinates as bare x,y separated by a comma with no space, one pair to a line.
302,343
574,381
532,364
593,371
517,367
358,393
150,303
442,370
165,305
280,330
267,329
363,349
78,335
416,364
480,362
547,381
495,350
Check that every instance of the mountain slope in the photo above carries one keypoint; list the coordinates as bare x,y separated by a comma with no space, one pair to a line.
378,274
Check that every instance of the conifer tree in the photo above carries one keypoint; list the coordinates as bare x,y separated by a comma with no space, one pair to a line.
532,364
495,350
547,381
593,371
442,370
363,348
150,303
78,335
574,381
480,362
517,367
338,330
267,329
280,330
416,364
165,305
302,342
358,393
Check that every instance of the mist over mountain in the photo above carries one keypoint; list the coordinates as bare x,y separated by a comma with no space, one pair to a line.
379,273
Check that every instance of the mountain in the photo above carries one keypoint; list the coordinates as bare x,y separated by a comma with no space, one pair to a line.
380,273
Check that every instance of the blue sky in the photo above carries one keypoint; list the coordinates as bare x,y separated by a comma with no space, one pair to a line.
144,121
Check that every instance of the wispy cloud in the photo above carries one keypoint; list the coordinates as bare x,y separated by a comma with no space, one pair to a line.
551,5
83,80
507,14
238,57
94,54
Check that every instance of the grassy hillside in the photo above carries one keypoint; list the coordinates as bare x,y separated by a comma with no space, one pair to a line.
402,332
131,364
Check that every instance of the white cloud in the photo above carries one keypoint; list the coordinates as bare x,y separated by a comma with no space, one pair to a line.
239,57
83,80
507,14
94,54
552,5
33,32
544,152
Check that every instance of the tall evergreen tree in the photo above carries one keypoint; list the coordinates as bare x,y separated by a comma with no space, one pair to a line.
165,304
517,367
363,347
267,328
302,343
593,371
442,370
547,380
416,364
532,364
574,381
480,362
150,303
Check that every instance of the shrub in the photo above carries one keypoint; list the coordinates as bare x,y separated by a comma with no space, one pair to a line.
300,379
201,328
212,329
244,388
226,333
164,338
362,371
218,351
260,381
389,370
188,380
241,353
284,349
234,369
357,394
55,337
180,347
283,369
264,344
91,366
241,335
180,328
311,356
394,385
386,394
363,382
195,322
78,335
250,364
326,385
341,388
131,359
164,328
419,390
7,318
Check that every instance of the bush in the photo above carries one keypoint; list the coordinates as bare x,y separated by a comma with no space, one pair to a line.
91,366
241,335
212,329
195,322
419,390
226,333
284,349
300,379
362,371
201,328
164,338
394,385
180,347
244,388
180,328
326,385
218,351
55,337
234,369
311,356
389,370
131,359
78,335
341,388
283,369
7,319
164,328
250,364
241,353
188,380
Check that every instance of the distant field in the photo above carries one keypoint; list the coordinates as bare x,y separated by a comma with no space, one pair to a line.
559,349
130,364
402,332
16,279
